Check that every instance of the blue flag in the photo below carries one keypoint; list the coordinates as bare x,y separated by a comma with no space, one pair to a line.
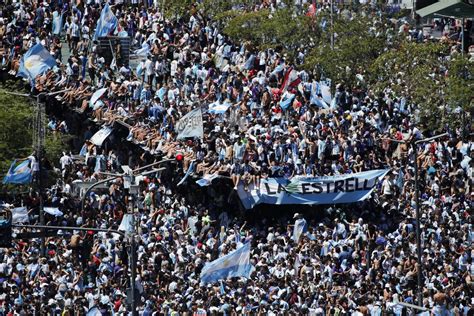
36,61
399,181
234,264
139,69
123,34
106,24
286,100
83,151
249,63
19,174
222,288
315,92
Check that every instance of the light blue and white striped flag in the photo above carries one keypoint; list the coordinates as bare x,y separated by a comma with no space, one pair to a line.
57,23
106,24
19,174
143,51
207,180
286,100
300,227
315,92
219,108
234,264
188,173
36,61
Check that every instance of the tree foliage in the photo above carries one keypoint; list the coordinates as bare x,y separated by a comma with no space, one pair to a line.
356,46
282,30
177,8
418,72
460,83
16,136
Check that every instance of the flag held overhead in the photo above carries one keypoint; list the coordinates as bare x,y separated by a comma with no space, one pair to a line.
36,61
234,264
107,23
19,174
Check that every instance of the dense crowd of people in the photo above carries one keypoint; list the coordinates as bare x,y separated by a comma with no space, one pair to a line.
356,259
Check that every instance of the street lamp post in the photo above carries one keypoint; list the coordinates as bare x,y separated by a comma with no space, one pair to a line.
133,259
115,176
418,229
417,211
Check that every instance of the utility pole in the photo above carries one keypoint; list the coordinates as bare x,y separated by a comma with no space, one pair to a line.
133,268
418,229
332,24
132,241
38,144
39,136
417,209
462,37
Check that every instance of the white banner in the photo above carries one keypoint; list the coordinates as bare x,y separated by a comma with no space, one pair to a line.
101,135
347,188
190,125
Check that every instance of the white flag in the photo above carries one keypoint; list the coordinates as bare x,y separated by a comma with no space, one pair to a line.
101,135
53,211
190,125
20,215
127,223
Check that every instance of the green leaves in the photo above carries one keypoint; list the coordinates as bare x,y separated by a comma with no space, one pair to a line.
16,134
282,30
417,71
355,48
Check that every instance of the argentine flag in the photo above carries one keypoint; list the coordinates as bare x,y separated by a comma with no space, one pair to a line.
219,108
315,92
19,174
106,24
286,100
299,229
234,264
57,23
36,61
